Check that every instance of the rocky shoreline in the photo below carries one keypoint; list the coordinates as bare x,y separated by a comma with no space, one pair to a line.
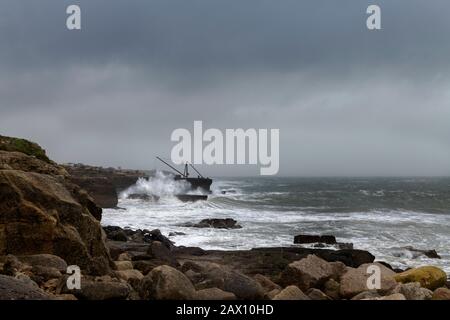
48,222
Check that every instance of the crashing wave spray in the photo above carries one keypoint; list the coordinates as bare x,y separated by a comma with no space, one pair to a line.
161,185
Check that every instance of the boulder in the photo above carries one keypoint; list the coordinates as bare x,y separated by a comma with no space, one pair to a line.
441,294
123,265
310,272
291,293
429,277
65,297
15,289
367,295
102,290
146,266
42,274
130,275
316,294
210,275
266,283
395,296
413,291
43,212
45,260
156,235
354,281
133,277
271,294
332,289
214,294
115,233
166,283
242,286
124,257
158,250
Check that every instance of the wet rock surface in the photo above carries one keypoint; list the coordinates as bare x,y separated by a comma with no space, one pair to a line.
227,223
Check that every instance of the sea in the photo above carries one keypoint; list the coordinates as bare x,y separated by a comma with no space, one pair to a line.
385,216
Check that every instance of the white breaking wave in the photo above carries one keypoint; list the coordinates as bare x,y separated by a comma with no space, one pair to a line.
161,185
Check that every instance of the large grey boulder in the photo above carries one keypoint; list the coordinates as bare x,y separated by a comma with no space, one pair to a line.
166,283
16,289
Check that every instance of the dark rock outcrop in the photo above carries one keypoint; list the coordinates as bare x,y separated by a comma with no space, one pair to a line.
227,223
100,189
104,184
304,238
143,196
139,236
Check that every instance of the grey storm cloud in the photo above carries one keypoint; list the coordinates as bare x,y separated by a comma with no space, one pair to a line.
347,101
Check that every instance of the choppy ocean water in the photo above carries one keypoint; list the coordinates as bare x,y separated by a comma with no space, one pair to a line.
381,215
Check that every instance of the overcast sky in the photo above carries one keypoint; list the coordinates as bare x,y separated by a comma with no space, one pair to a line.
347,101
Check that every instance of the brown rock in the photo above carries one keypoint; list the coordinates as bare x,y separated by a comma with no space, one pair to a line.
214,275
308,272
44,213
214,294
159,251
316,294
124,257
367,295
332,289
123,265
266,283
413,291
133,277
65,296
166,283
271,294
45,260
441,294
354,281
45,273
291,293
129,275
395,296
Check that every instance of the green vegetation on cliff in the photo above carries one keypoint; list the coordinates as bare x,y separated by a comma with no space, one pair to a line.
24,146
